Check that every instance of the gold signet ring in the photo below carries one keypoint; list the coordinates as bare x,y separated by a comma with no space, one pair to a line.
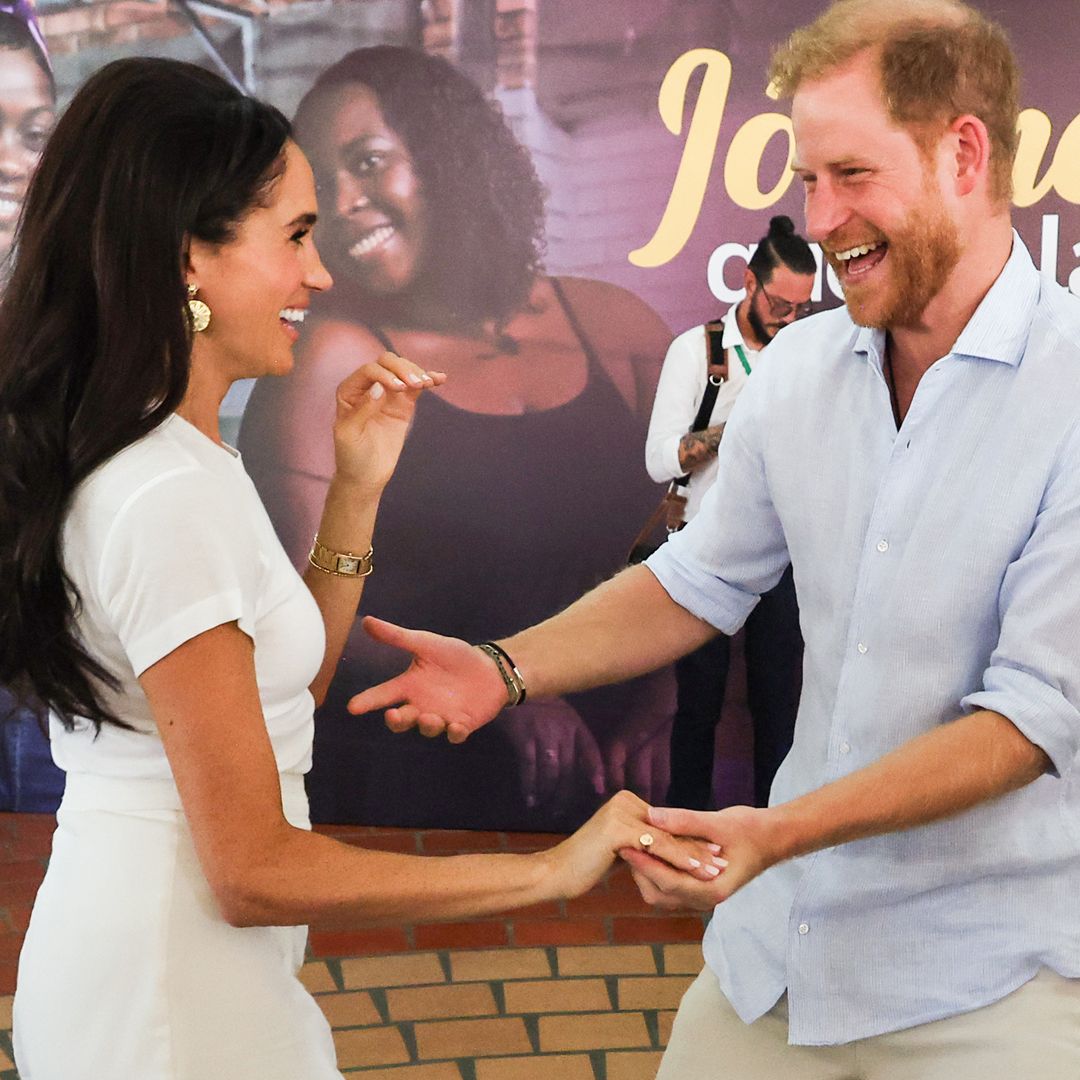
645,840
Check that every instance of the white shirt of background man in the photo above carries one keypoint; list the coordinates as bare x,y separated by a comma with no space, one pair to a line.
678,398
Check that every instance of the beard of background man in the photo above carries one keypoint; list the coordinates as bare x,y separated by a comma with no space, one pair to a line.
922,253
757,324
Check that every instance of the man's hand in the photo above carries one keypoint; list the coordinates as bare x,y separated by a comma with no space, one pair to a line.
698,447
555,753
742,840
450,686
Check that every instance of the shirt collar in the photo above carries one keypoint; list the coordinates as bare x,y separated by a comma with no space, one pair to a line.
732,333
998,330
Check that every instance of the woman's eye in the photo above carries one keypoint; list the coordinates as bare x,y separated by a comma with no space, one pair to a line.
34,139
298,236
365,163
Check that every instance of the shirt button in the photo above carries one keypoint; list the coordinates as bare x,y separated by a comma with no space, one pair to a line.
804,928
861,647
883,545
845,748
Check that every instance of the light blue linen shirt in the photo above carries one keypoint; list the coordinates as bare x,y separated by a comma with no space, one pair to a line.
938,572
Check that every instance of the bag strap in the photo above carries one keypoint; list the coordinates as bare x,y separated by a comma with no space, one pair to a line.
650,526
708,399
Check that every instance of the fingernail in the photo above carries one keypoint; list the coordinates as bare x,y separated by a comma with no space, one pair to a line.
720,862
657,815
715,848
377,390
415,379
712,871
694,863
399,384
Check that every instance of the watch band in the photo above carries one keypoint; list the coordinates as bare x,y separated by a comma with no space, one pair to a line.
340,563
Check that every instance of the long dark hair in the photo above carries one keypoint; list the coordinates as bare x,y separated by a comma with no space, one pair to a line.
95,338
485,201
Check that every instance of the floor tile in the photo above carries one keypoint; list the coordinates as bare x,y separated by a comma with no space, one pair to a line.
655,992
472,1038
437,1002
594,1031
549,1066
353,1008
557,995
432,1070
633,1065
607,960
370,1046
406,969
499,964
683,959
315,975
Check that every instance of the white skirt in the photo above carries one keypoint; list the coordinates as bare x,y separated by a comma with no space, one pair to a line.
129,972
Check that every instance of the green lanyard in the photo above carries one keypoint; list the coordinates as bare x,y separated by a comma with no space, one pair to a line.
742,358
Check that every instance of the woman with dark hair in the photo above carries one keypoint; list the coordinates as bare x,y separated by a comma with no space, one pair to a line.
521,484
164,252
28,778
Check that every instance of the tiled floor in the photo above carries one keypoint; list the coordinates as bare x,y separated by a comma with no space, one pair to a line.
578,990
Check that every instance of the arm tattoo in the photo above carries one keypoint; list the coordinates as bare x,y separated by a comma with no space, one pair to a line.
698,447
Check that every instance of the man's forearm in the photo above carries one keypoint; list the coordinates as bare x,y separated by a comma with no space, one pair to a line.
625,627
698,447
953,768
944,772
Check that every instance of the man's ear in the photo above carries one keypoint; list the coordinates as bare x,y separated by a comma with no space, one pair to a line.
749,281
970,153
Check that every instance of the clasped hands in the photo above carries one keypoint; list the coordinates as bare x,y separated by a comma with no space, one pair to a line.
453,688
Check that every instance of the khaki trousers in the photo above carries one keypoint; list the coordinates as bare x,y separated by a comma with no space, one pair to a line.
1033,1034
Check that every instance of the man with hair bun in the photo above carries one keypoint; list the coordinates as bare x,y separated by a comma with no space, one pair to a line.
706,367
905,909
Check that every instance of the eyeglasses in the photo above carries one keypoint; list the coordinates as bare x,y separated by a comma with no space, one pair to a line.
780,308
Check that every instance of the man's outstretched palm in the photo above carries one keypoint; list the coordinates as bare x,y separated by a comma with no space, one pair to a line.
450,686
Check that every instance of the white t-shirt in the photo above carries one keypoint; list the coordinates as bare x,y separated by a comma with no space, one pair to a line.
678,398
168,539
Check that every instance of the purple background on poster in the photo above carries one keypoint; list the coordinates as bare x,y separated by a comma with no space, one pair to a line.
579,84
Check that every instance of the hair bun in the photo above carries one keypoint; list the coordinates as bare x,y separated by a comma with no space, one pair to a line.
781,225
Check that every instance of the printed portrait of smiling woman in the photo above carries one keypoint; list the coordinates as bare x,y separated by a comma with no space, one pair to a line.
28,778
522,481
27,103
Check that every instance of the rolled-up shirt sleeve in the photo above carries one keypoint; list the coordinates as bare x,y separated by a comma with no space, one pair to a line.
678,395
1034,672
735,549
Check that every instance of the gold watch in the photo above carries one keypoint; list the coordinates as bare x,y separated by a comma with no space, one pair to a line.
339,563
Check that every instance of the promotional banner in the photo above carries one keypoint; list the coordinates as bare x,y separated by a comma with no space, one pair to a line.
538,215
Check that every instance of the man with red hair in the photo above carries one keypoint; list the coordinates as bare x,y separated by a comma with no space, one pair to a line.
905,909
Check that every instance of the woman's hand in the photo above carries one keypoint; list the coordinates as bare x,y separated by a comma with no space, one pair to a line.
741,837
579,862
374,409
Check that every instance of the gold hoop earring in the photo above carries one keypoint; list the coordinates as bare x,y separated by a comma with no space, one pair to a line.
198,310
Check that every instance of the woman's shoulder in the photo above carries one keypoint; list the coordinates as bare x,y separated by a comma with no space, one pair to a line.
610,301
629,337
174,455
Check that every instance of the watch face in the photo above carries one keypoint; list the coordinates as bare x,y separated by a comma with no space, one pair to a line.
346,565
